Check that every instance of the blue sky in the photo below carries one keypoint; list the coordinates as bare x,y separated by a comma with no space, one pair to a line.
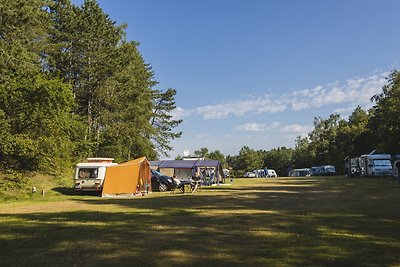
256,72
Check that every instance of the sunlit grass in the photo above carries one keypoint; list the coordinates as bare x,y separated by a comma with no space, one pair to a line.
330,221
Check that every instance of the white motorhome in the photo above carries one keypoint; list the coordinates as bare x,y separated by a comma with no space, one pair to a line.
375,165
89,176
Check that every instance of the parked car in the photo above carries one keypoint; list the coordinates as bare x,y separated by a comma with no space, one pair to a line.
161,182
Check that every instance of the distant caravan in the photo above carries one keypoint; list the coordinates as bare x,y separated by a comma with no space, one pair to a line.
300,172
325,170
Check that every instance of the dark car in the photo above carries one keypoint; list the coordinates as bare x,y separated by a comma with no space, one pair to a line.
161,182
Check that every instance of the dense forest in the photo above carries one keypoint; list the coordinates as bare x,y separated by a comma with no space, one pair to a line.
72,86
332,139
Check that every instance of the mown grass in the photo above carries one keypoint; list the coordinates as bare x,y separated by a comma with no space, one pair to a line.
330,221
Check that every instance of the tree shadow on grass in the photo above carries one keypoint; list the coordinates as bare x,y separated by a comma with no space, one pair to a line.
312,227
67,191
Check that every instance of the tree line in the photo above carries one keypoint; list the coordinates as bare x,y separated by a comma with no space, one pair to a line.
332,139
72,86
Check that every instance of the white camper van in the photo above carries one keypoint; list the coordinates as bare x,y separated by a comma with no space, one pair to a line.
89,176
375,165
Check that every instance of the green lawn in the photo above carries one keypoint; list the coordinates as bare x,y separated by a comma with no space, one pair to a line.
330,221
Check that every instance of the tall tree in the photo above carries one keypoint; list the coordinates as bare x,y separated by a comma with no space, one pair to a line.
279,159
127,109
202,152
249,159
217,155
35,110
163,122
352,136
385,116
23,36
302,156
322,139
86,54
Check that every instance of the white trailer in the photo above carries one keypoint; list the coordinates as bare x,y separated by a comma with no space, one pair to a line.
89,176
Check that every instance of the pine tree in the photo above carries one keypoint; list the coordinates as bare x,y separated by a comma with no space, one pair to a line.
163,122
86,53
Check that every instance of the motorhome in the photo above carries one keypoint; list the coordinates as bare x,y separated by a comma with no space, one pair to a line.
375,165
89,176
369,165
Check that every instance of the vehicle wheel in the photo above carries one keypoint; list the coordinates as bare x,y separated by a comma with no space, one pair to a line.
162,187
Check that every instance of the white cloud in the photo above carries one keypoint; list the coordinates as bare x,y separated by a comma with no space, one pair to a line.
241,107
296,128
352,92
251,127
275,124
179,113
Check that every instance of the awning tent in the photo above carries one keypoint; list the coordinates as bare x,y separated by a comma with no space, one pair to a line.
184,169
127,179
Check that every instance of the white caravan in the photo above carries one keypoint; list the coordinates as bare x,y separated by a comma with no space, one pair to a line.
89,176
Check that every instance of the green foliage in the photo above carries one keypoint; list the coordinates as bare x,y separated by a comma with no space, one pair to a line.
202,152
40,127
217,155
85,52
385,120
278,159
72,87
162,120
247,160
127,109
11,180
23,27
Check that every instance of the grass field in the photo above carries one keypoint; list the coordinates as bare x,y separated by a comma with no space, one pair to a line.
332,221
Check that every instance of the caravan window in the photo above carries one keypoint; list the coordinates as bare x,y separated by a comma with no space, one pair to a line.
382,162
84,173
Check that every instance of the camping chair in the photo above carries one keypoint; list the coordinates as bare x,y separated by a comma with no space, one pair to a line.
180,187
196,184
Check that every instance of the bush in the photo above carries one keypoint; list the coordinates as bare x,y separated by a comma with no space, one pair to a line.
12,180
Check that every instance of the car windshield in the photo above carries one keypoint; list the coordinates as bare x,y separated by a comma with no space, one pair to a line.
382,162
156,173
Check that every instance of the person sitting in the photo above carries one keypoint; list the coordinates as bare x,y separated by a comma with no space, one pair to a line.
176,181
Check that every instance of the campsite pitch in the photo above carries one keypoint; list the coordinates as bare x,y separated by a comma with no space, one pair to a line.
327,221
